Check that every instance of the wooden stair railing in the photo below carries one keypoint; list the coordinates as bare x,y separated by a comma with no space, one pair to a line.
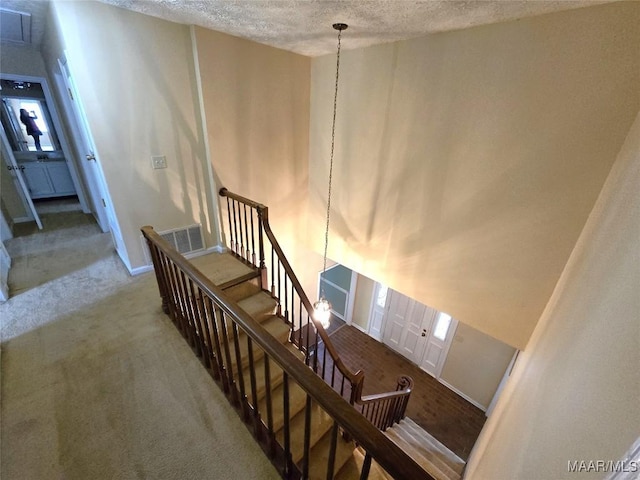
207,318
248,224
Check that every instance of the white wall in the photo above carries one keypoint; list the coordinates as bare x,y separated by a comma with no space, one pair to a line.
574,392
475,364
22,60
467,162
136,79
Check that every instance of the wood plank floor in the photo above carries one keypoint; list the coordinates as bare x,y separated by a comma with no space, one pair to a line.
448,417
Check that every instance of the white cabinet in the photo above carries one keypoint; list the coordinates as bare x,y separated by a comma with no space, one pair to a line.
48,178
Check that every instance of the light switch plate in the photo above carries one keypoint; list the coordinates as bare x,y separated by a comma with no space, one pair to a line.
159,161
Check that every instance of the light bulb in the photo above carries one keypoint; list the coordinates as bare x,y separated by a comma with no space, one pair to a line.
322,312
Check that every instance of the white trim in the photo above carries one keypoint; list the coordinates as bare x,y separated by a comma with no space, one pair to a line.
358,327
466,397
503,382
21,220
351,303
215,224
140,270
5,266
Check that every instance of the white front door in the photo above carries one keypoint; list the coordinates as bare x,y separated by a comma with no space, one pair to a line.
418,332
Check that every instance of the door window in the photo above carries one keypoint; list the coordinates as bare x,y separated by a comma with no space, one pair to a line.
443,322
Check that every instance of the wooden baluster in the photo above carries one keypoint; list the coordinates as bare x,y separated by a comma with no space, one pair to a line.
173,303
193,309
286,300
182,308
267,376
307,438
279,298
263,266
273,272
253,242
331,463
288,462
188,313
254,388
213,364
366,466
235,228
240,381
227,354
232,238
246,235
211,313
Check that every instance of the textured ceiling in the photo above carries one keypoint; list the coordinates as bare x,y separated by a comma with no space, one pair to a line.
304,26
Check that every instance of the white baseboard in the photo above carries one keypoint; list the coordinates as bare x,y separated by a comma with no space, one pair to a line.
140,270
23,219
466,397
355,325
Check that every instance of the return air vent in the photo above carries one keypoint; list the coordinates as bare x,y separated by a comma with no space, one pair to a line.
185,240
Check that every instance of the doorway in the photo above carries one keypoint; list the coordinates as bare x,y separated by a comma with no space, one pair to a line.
418,332
34,146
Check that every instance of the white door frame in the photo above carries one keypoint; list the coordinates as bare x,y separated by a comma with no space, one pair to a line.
350,294
95,171
64,144
428,331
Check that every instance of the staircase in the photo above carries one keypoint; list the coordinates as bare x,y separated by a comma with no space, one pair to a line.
262,307
247,318
435,458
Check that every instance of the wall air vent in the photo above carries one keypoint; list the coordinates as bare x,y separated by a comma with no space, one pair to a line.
15,26
185,240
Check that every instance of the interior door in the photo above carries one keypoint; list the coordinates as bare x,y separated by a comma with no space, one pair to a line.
18,179
84,145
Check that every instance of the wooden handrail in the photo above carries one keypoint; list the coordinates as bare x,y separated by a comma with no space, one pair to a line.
391,457
355,378
407,386
391,403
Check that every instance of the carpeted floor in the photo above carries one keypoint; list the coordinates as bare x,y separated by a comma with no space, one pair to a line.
95,381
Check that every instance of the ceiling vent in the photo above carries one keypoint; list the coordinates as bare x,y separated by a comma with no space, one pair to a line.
15,26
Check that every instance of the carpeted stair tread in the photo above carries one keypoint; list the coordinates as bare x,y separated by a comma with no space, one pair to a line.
260,306
426,458
243,290
297,401
321,422
352,469
274,325
424,438
319,456
275,373
221,268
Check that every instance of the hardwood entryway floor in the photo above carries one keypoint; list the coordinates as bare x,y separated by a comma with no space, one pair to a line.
444,414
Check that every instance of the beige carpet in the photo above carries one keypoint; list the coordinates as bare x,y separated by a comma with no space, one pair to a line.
96,381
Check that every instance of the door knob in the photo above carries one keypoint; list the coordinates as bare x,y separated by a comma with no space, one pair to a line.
91,156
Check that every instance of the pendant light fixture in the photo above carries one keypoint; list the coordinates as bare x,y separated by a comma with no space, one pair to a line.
322,308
